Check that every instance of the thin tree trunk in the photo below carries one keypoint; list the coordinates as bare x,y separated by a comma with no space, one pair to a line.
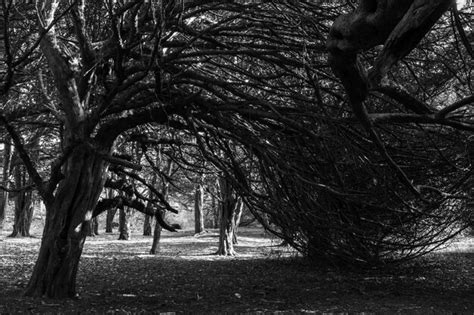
156,237
198,211
164,192
147,225
239,207
124,224
7,156
215,210
23,205
96,225
93,227
67,219
110,220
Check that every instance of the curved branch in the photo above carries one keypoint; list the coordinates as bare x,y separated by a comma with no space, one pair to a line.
30,167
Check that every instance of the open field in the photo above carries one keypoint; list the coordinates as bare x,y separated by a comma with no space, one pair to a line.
119,276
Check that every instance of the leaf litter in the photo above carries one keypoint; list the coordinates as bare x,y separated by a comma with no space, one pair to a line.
185,276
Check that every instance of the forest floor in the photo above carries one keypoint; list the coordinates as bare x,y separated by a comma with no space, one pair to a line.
120,277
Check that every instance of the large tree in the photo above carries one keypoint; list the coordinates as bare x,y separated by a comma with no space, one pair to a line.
188,65
250,73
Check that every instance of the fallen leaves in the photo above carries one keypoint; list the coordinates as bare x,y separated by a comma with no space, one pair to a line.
119,276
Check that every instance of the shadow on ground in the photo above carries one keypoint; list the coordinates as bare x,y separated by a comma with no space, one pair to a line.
119,276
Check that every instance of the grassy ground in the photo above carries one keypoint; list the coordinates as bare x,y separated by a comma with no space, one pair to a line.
119,276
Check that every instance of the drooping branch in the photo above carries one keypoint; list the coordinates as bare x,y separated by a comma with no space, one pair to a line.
403,97
119,202
30,167
109,131
160,196
400,27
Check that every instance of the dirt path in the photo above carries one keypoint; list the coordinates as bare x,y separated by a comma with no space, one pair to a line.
120,276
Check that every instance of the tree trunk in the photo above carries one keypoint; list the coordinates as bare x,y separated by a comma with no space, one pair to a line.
93,228
164,192
110,220
7,156
23,205
148,218
238,215
96,225
67,220
198,213
124,224
228,211
156,237
215,210
147,225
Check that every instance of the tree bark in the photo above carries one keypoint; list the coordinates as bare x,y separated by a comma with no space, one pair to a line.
67,221
7,156
23,205
148,218
93,228
228,209
215,210
156,237
239,209
165,193
147,225
124,224
110,220
198,213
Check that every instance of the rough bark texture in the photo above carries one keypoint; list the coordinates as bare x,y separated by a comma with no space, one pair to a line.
7,155
23,205
67,221
399,25
228,208
198,211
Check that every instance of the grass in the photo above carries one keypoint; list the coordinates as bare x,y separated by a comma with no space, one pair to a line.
120,277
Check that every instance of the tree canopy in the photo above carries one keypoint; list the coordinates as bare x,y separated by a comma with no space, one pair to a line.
356,173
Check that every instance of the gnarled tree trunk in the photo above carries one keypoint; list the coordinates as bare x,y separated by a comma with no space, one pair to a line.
229,205
66,226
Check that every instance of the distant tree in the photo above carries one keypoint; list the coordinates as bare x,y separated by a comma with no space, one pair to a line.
198,208
230,206
23,203
6,164
165,187
124,224
147,225
252,74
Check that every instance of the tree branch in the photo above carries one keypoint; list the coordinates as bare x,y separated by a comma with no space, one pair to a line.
35,176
